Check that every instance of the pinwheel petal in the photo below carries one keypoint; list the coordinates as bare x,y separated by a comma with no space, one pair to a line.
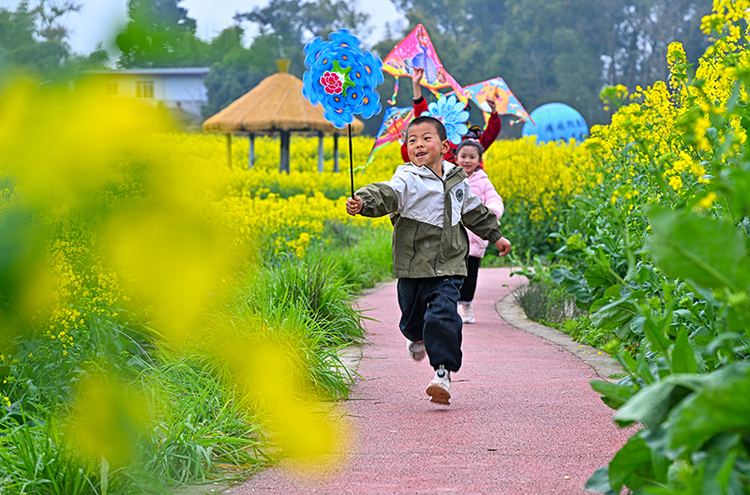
312,50
344,39
370,104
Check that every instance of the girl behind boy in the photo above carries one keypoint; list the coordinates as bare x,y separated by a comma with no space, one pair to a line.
469,155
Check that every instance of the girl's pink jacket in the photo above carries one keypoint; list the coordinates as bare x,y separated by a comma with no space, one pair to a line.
482,187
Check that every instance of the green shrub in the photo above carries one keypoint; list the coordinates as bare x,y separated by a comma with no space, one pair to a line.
310,285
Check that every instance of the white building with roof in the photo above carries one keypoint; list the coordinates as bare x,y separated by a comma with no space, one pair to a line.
180,88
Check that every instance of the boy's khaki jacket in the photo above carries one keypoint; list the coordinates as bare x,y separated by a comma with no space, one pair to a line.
427,213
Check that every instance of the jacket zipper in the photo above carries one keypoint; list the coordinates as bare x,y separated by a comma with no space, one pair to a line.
414,248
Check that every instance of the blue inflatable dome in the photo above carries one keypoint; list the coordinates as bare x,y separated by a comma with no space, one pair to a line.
556,121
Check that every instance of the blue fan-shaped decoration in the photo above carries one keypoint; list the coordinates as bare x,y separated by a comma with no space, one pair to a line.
451,112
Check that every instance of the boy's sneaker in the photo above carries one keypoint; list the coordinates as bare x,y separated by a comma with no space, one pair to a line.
416,349
439,388
467,312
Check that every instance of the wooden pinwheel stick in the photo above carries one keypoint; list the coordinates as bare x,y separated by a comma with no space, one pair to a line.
351,160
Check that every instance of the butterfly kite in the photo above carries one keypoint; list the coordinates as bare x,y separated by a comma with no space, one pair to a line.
496,89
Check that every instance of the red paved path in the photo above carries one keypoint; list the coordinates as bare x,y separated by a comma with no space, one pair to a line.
523,416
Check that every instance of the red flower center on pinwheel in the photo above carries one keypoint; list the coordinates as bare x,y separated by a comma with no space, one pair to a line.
332,82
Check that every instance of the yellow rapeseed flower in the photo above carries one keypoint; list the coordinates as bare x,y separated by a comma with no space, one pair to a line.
707,201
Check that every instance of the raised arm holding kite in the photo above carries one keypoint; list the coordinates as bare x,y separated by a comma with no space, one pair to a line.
485,136
415,56
496,89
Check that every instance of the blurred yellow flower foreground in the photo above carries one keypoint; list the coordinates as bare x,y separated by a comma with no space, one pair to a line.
104,216
149,290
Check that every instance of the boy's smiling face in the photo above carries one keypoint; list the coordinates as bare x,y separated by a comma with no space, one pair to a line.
425,148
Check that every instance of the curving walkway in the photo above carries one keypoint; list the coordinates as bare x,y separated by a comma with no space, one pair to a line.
523,418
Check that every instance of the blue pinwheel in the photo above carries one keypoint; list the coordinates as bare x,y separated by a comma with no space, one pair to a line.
451,112
342,78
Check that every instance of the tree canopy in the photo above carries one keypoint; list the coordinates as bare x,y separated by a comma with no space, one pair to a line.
159,33
290,24
546,50
557,50
33,40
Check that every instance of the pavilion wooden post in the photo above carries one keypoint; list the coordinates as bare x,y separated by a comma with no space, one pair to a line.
251,151
251,115
229,150
284,165
320,151
335,152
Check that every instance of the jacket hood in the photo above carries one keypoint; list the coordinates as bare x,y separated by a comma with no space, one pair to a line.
450,170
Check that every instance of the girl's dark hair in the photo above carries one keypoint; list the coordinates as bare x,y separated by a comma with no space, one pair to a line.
439,127
471,142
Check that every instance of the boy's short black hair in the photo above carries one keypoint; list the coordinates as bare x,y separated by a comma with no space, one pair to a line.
470,142
439,127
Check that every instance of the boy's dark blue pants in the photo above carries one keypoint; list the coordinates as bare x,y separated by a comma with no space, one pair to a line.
429,312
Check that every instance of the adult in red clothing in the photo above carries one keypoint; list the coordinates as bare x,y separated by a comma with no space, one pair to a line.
420,105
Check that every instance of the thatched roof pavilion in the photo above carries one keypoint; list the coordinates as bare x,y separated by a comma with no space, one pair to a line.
276,105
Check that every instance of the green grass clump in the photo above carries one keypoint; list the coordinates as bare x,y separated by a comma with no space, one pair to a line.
361,256
35,457
199,432
544,301
202,429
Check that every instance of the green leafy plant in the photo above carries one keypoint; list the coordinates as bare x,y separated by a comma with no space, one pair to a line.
684,306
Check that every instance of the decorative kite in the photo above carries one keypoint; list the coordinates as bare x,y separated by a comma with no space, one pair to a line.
416,50
343,79
451,113
395,120
496,89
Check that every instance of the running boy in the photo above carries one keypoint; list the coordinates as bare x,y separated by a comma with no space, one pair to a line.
428,199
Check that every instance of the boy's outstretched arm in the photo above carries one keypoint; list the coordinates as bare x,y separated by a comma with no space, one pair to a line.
354,205
503,245
377,199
